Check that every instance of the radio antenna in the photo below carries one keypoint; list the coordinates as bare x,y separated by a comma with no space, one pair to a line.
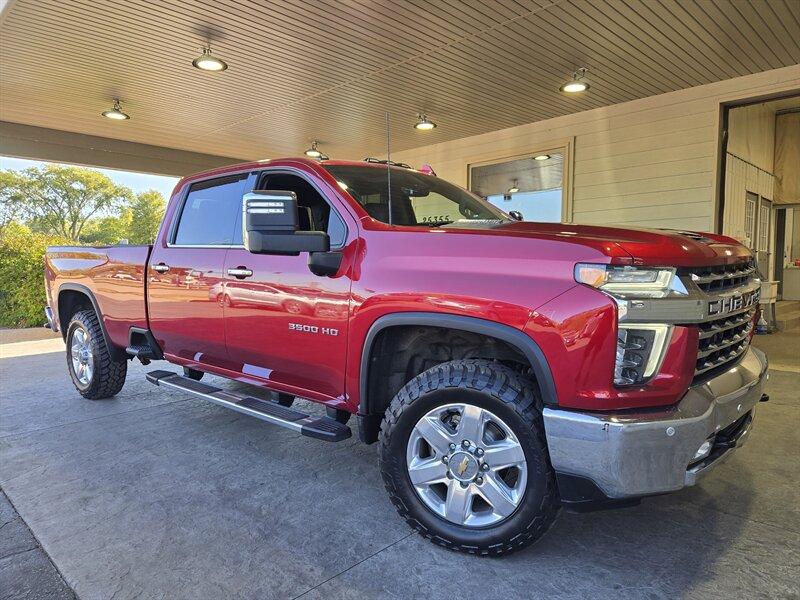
389,164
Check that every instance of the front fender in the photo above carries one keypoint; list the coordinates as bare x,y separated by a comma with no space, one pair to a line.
515,337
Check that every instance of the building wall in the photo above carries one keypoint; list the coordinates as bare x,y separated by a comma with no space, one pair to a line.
751,134
742,177
787,158
649,162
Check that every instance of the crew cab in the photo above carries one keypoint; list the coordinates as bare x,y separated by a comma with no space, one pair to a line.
506,368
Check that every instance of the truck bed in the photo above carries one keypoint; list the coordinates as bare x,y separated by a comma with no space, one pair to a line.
115,277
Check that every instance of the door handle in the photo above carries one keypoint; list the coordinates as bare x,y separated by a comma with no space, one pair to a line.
240,272
161,268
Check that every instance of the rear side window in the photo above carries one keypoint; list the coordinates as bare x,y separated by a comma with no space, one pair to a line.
210,212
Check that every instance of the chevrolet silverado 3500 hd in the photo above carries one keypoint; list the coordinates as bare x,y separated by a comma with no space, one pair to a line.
506,368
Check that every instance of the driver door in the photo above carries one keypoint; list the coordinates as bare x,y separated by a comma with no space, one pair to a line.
284,325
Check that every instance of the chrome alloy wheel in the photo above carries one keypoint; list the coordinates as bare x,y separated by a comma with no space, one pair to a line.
466,465
80,353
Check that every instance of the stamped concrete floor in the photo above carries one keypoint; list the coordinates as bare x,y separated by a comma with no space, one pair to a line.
156,495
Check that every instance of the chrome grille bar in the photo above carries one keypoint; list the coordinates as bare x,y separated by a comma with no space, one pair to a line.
722,341
722,277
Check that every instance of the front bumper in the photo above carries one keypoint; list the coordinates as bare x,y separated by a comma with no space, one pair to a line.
631,454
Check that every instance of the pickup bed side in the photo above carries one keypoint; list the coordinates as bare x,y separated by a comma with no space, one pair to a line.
109,279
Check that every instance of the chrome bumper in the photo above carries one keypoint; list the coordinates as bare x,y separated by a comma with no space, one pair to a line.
635,454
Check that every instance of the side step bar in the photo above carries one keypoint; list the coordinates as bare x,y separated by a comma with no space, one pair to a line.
322,428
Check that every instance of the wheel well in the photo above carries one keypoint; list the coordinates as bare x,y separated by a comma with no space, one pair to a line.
70,302
400,353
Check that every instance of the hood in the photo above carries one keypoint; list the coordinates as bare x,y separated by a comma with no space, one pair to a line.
635,245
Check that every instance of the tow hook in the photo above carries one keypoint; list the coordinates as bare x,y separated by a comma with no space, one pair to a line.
764,398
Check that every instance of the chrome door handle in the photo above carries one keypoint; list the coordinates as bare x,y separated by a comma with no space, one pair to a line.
160,268
240,272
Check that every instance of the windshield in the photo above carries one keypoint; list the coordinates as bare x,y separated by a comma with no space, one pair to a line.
417,199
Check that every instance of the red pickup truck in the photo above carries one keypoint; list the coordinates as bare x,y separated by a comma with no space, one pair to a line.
507,369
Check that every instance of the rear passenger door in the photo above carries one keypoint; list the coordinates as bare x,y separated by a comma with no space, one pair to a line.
185,275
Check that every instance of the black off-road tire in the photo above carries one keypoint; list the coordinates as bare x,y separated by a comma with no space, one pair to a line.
512,398
193,374
109,372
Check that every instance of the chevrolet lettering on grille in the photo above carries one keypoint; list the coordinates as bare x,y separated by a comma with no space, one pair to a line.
731,304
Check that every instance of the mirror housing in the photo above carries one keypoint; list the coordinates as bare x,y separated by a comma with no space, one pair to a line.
516,215
269,223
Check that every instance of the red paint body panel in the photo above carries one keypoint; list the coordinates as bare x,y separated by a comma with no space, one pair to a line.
114,275
184,303
517,274
577,332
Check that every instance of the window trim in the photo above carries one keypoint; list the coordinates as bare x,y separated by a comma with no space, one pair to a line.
564,146
176,217
261,173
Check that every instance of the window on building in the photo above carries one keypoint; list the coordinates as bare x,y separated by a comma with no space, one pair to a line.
751,200
534,188
764,222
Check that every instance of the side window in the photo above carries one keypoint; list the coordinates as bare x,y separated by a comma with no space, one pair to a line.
210,212
313,210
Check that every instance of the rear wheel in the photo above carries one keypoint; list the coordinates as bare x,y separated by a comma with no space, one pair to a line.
95,373
464,458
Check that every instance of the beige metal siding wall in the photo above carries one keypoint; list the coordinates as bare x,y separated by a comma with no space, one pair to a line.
749,165
751,134
740,178
649,162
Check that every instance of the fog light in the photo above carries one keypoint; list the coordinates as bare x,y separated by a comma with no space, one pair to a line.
703,451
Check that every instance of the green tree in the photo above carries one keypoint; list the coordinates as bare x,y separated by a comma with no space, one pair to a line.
147,210
105,231
59,200
22,296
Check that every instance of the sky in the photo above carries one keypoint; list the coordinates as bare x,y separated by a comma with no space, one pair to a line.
138,182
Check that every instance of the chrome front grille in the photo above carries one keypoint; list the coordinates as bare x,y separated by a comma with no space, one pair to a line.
721,278
723,341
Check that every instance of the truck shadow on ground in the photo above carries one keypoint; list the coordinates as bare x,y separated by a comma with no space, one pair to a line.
665,547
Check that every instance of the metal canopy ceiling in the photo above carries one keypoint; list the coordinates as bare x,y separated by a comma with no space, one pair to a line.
329,70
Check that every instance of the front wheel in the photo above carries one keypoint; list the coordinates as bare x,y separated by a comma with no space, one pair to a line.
95,372
464,458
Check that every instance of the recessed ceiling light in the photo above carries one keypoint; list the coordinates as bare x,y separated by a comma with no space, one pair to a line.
577,84
208,62
514,188
116,112
541,157
423,124
313,152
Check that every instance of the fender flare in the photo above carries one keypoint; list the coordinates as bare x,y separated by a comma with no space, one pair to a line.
514,337
77,287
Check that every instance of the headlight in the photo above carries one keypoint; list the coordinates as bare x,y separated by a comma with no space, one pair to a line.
629,282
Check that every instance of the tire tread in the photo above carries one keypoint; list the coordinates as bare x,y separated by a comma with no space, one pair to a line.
504,384
110,372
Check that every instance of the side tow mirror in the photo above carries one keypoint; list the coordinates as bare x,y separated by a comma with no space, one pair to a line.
269,221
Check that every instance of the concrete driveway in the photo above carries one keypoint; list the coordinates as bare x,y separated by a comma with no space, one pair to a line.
155,495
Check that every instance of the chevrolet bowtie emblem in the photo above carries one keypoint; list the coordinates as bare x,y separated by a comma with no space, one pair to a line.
462,466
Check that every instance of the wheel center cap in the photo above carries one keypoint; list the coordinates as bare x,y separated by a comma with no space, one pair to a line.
463,466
